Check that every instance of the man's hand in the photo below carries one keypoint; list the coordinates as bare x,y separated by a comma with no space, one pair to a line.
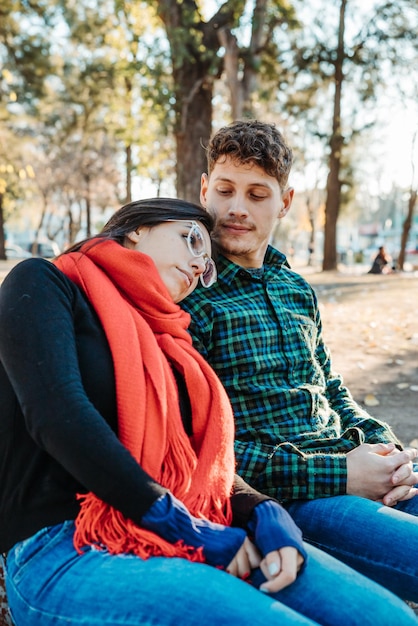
281,568
373,468
403,479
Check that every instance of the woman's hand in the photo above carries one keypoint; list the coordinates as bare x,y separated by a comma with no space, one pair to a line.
281,568
246,559
280,543
170,519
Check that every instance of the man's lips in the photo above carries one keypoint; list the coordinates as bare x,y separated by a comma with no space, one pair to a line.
236,228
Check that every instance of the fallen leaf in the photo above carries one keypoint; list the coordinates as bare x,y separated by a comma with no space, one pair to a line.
371,400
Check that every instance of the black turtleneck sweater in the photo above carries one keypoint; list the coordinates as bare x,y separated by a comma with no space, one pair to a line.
58,416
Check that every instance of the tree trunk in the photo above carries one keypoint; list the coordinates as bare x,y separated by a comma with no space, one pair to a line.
411,208
407,227
2,233
128,165
193,129
88,206
253,58
311,218
231,67
241,90
333,199
128,148
194,47
41,220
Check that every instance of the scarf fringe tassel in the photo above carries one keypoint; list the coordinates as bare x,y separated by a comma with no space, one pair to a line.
105,528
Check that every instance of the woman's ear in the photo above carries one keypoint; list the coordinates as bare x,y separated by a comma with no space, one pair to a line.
133,237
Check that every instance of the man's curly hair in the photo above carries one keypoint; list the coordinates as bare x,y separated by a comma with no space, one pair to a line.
251,141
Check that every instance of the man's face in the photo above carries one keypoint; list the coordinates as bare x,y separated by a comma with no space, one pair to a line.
247,203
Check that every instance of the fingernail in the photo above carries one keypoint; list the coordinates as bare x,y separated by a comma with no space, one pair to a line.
263,589
273,569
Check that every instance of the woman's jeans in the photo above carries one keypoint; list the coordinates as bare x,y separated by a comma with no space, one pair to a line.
49,583
379,541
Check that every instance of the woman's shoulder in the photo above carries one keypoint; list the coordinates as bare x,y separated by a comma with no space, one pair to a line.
32,265
36,274
36,287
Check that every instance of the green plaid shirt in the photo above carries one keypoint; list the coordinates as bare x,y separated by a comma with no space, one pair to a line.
295,419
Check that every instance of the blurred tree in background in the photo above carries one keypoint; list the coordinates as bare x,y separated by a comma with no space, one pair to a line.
25,61
102,102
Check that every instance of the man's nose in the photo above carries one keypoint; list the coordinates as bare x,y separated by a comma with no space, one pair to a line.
238,206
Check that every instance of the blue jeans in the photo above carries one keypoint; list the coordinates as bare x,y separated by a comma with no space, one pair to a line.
376,540
49,583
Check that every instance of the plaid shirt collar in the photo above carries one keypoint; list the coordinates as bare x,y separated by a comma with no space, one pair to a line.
273,262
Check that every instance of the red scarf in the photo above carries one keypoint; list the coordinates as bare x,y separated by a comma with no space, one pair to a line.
147,332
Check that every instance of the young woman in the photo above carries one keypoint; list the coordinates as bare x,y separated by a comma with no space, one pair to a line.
118,501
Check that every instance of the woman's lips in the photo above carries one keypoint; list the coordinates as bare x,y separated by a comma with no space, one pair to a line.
188,277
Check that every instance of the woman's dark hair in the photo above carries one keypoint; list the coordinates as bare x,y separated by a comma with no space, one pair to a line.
149,212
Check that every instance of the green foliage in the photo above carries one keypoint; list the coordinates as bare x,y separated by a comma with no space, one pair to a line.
25,29
16,172
123,86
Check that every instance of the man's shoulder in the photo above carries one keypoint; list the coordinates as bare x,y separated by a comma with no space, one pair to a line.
294,277
275,261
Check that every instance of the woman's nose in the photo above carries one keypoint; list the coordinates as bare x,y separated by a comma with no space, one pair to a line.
198,263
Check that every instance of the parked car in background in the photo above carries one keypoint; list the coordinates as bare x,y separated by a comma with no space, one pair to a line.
45,249
16,252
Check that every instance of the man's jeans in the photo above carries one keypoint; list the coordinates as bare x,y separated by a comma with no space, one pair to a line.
48,583
376,540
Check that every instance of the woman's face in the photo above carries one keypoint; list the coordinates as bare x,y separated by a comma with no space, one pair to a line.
167,245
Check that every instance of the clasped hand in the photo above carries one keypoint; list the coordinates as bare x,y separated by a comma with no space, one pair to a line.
382,472
279,552
280,567
277,547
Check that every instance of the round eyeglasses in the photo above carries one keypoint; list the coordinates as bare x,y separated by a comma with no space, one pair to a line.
197,247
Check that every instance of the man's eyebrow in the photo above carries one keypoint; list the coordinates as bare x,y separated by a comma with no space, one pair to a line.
225,179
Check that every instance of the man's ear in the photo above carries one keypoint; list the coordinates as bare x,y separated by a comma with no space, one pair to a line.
287,198
204,181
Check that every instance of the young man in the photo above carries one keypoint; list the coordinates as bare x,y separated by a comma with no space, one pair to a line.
300,437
